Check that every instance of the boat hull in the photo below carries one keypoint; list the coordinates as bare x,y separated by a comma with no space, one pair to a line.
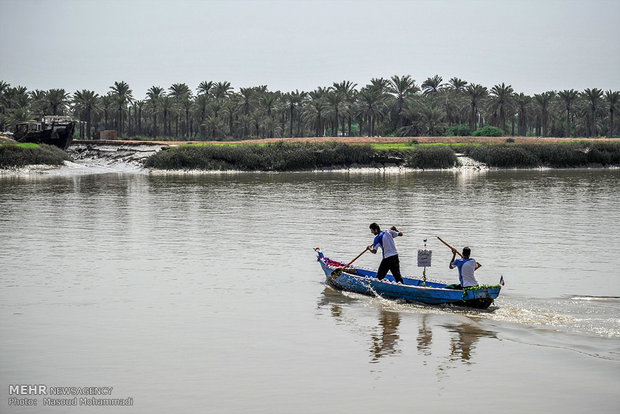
58,135
413,290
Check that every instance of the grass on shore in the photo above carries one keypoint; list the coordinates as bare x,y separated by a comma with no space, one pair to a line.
554,155
20,155
282,156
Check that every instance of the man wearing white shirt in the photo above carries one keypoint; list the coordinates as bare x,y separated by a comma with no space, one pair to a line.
466,266
385,240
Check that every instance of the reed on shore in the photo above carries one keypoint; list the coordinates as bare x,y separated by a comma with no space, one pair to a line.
20,155
282,156
553,155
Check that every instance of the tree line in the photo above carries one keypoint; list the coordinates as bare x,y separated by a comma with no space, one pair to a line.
384,107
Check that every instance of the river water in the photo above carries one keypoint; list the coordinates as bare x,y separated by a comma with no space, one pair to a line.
201,293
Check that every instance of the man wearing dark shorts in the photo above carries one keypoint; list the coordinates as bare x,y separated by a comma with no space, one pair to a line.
385,240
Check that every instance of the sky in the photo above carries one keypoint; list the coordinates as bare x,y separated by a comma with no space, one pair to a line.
535,46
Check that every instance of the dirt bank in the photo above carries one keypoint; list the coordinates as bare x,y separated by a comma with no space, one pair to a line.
360,140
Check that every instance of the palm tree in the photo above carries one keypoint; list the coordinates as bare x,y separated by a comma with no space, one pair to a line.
201,103
475,93
107,102
412,120
401,87
544,100
39,104
431,85
138,127
334,101
221,90
372,105
316,108
348,92
180,92
86,101
3,88
154,96
612,98
432,118
123,96
268,101
502,95
593,97
246,94
246,101
568,96
382,85
167,105
523,103
16,97
57,99
454,101
231,106
294,100
19,115
187,104
457,84
205,87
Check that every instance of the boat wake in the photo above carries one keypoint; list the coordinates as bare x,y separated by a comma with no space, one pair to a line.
579,314
596,298
585,315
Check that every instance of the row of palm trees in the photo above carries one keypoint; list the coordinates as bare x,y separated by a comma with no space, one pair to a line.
395,106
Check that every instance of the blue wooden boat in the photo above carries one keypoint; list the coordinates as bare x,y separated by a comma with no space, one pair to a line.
432,292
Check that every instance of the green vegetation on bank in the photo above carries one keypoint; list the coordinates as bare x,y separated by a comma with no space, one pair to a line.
19,155
283,156
488,131
554,155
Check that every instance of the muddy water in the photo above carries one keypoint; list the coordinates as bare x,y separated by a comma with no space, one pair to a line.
202,293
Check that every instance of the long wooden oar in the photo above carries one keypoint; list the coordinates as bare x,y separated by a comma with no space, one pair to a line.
454,250
338,271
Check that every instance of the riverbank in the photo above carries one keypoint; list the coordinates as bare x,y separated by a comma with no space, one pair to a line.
299,156
21,155
320,154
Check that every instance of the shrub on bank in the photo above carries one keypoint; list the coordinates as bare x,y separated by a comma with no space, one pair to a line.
431,157
19,155
459,131
501,155
488,131
555,155
576,154
283,156
279,156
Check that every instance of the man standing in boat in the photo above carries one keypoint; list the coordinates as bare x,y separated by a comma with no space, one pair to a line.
385,239
467,266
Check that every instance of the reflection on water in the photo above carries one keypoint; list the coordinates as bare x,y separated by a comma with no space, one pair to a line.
464,341
385,338
425,337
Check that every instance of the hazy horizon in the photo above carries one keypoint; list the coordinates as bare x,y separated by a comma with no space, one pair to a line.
535,46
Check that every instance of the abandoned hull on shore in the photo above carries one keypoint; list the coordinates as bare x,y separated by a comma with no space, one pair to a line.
52,130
